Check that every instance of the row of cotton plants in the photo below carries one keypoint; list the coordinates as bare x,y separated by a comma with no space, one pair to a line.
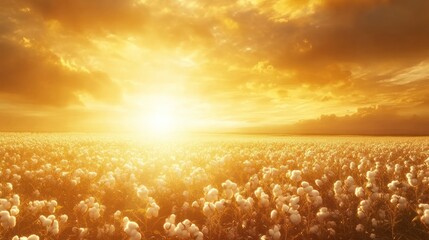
65,186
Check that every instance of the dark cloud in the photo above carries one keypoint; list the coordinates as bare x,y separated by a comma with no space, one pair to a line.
38,77
366,121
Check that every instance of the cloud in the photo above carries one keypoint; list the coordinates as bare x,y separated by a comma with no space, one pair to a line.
379,120
37,76
95,15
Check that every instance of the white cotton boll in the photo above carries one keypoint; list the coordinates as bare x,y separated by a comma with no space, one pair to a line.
199,236
322,214
92,175
152,209
44,220
359,192
131,229
314,229
393,185
264,201
14,211
195,204
83,232
295,218
296,175
276,235
82,207
304,184
63,218
338,187
193,229
142,192
300,191
294,200
230,188
117,215
208,209
219,205
15,200
187,223
9,187
319,182
425,217
360,228
51,206
317,201
285,208
94,212
55,228
274,214
212,195
4,204
171,219
277,190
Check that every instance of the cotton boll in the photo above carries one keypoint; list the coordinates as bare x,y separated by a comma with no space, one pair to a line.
94,212
275,232
322,214
31,237
295,218
131,229
7,221
295,175
277,190
274,214
208,209
314,229
63,218
15,200
82,207
360,228
52,205
300,191
319,182
142,192
199,236
230,188
212,195
359,192
117,215
55,228
195,204
14,211
9,187
152,209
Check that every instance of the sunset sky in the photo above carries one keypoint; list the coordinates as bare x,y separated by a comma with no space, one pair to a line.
286,66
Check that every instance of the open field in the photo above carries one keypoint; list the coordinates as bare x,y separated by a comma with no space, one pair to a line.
73,186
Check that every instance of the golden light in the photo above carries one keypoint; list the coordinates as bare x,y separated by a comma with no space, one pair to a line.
162,121
157,116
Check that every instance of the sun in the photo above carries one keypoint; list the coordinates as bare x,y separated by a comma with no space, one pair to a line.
157,117
162,121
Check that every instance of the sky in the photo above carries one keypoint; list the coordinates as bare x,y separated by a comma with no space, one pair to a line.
263,66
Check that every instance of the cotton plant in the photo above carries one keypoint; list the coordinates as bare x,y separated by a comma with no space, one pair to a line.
131,229
50,223
7,220
30,237
183,230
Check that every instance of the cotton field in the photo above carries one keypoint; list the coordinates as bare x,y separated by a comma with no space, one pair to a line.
75,186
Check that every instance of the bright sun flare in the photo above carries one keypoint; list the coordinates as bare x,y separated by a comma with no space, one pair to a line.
160,117
161,122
